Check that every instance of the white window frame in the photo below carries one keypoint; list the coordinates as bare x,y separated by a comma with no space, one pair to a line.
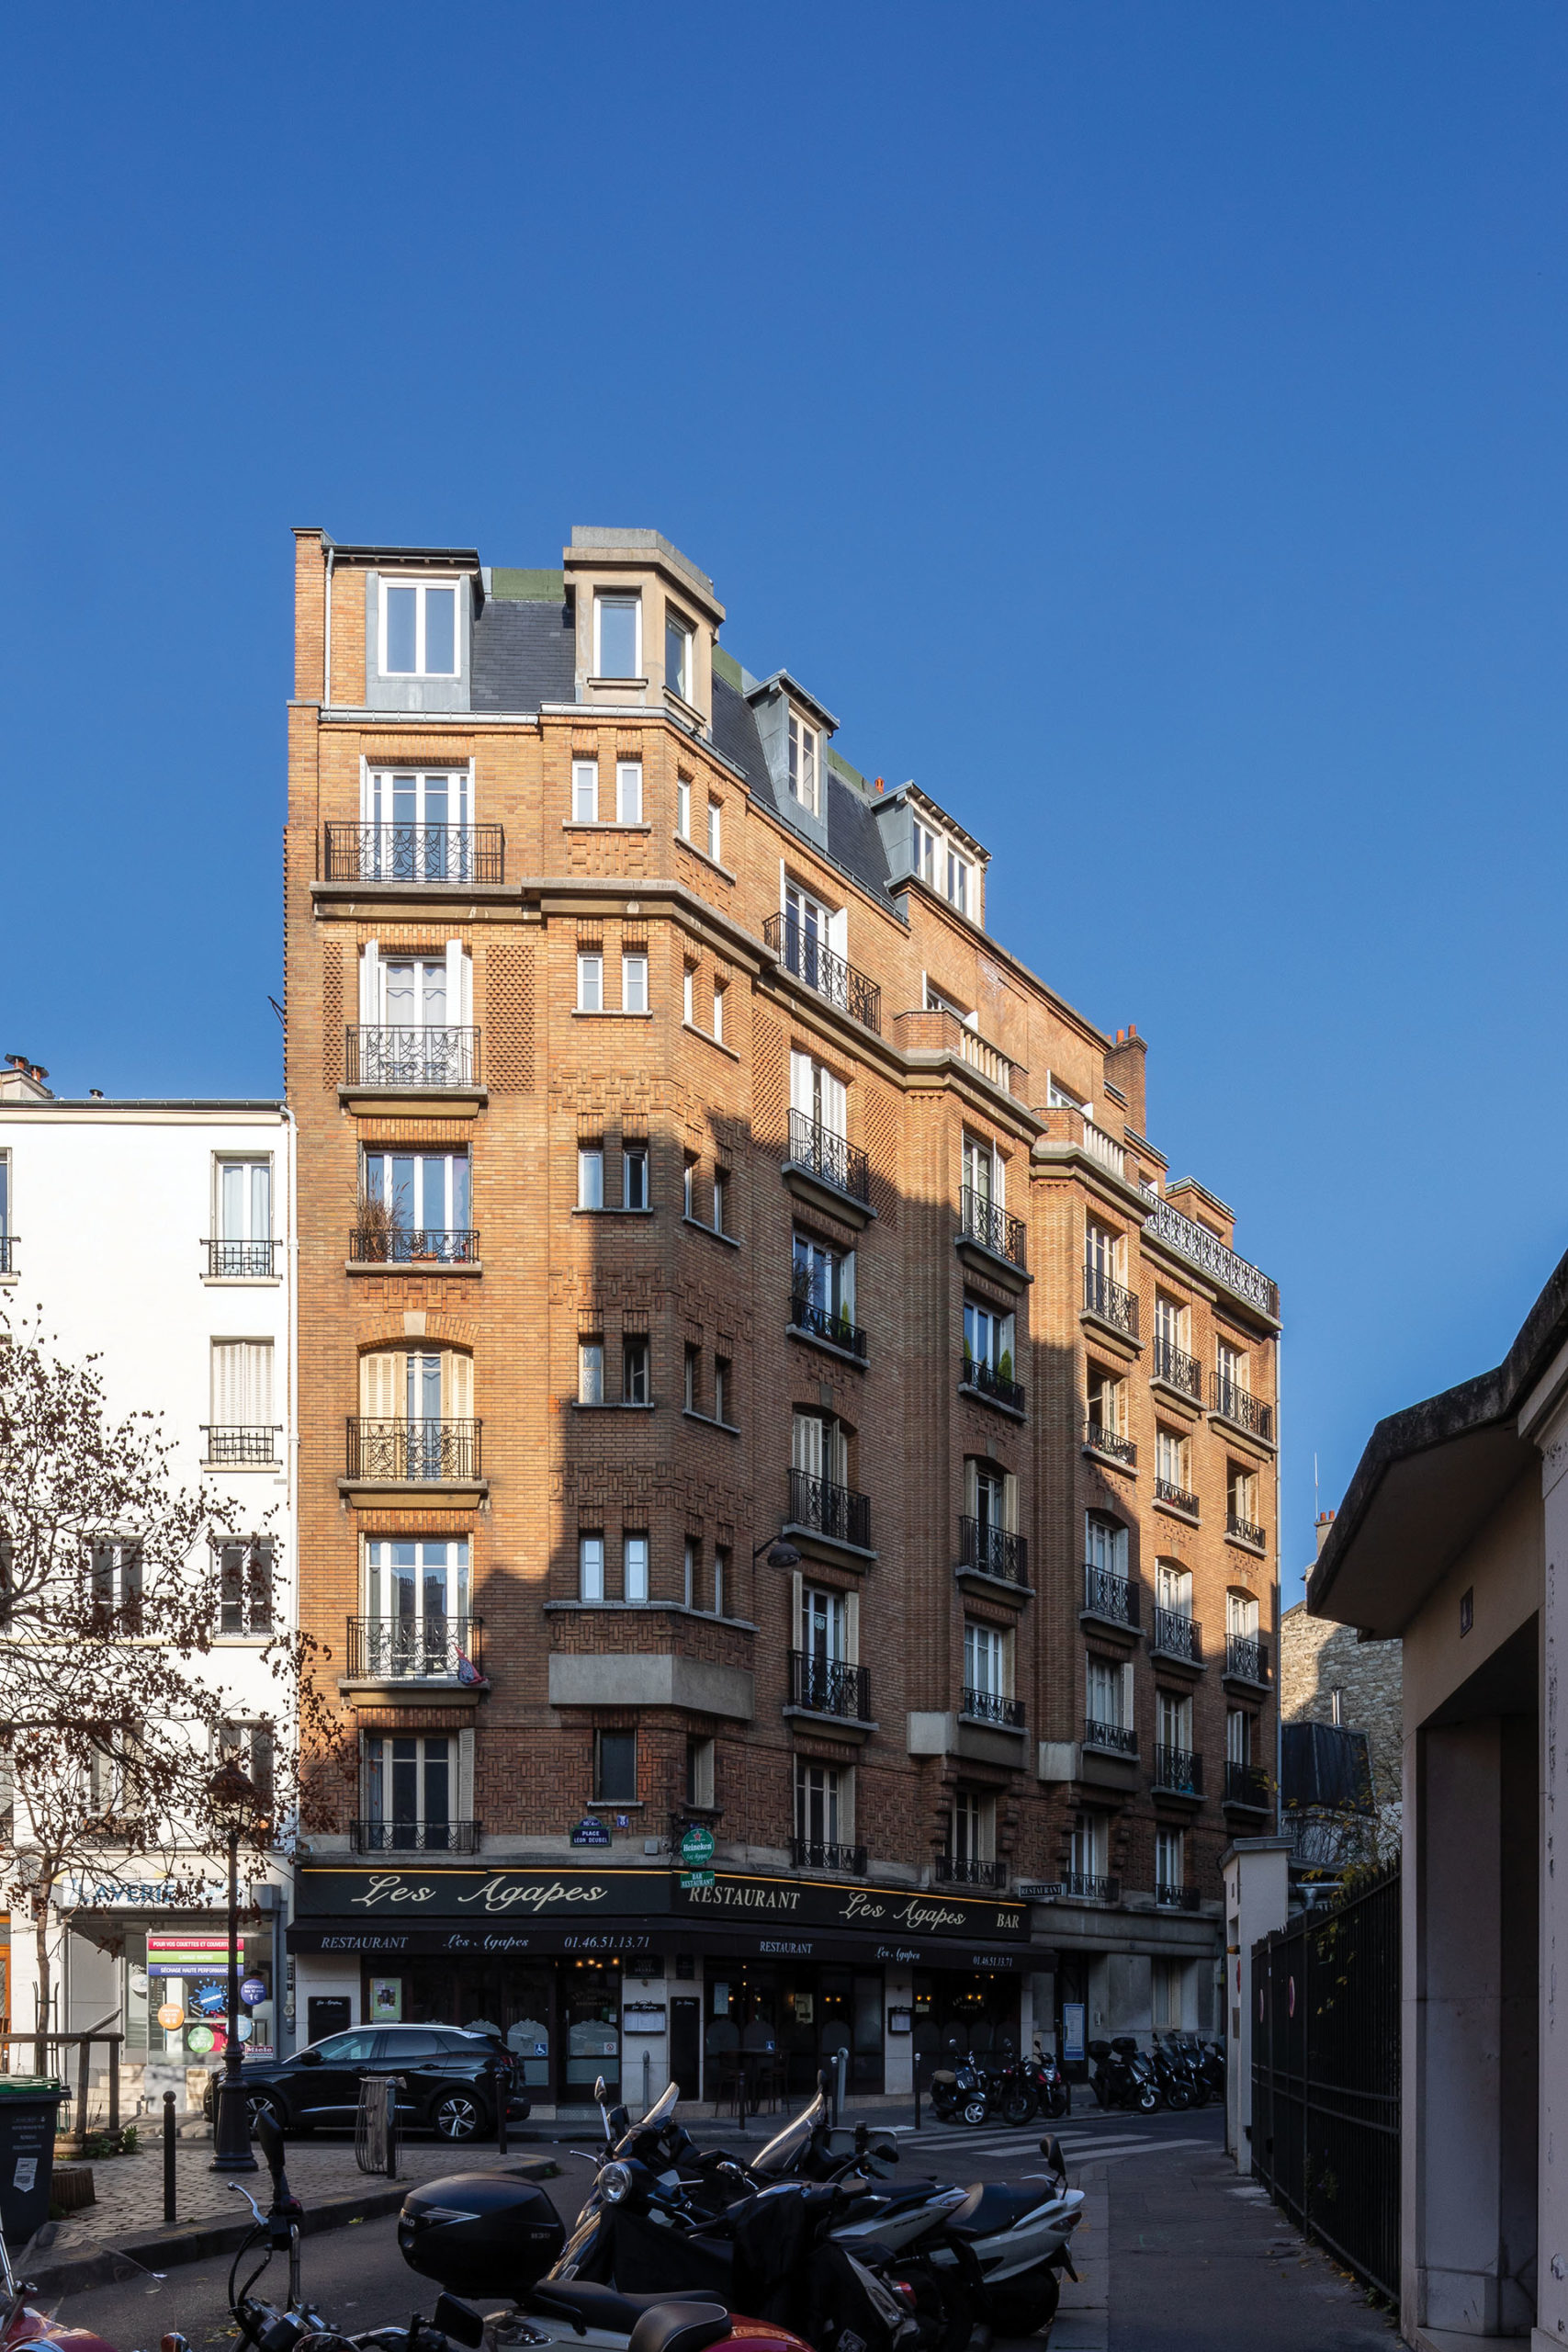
590,1175
987,1648
684,684
591,1372
803,755
634,1151
689,995
222,1163
590,980
1170,1847
719,994
396,580
1105,1544
602,596
633,981
590,1567
585,792
957,890
1173,1588
716,829
683,807
634,1568
1114,1680
825,1784
926,849
1171,1461
628,792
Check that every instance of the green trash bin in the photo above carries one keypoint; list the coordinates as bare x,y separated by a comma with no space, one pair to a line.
29,2106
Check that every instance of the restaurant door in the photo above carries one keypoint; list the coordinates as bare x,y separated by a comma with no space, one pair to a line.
561,2018
787,2023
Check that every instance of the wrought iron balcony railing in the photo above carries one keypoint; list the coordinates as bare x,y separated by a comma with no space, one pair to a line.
988,1382
820,1153
820,1854
421,1059
237,1260
1178,1635
1089,1886
991,1227
828,1687
249,1448
1175,1898
1167,1491
1115,1739
417,1837
1233,1403
1246,1784
415,854
1107,1299
829,973
1246,1659
1246,1529
1177,1369
1105,1594
411,1245
427,1649
1178,1772
823,1508
1202,1247
806,1314
990,1707
1101,1440
958,1871
414,1452
994,1550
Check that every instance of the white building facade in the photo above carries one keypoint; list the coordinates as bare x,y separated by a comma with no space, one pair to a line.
158,1238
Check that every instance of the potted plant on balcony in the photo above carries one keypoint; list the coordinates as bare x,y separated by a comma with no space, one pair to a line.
378,1224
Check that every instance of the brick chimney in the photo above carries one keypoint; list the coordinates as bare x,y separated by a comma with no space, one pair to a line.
1324,1521
1124,1070
22,1080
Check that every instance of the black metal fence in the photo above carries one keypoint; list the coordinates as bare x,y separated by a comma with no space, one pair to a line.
1325,2000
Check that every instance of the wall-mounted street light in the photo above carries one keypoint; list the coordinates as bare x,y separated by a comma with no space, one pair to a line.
780,1554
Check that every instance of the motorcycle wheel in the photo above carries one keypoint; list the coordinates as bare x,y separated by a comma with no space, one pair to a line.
943,2103
943,2318
1024,2305
1061,2100
1148,2098
1018,2104
1178,2097
977,2107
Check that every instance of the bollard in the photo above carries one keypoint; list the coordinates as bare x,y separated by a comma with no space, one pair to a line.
503,2101
169,2142
646,2080
918,2055
841,2061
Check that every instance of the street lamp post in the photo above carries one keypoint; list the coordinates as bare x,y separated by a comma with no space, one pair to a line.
234,1803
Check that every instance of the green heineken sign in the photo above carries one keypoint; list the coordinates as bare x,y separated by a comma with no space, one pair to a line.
696,1847
701,1879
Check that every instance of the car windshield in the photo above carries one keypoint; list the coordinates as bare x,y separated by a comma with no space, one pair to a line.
786,2145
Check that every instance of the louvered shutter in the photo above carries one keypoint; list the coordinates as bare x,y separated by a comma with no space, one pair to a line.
797,1611
457,1386
851,1629
370,986
381,1387
800,1096
834,1104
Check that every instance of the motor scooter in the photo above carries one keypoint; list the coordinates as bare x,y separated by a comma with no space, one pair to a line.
22,2323
1122,2076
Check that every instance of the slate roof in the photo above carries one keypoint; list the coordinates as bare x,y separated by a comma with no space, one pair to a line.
524,654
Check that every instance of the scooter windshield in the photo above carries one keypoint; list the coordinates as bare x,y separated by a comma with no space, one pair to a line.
657,2115
785,2146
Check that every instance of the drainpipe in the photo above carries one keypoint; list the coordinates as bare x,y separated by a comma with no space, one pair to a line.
327,662
283,2030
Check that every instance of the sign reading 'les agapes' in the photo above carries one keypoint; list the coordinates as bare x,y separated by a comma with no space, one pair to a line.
545,1893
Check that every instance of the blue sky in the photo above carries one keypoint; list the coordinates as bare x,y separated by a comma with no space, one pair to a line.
1142,424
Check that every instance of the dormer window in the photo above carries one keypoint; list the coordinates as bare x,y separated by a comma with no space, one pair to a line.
958,881
928,855
803,762
677,656
419,629
617,630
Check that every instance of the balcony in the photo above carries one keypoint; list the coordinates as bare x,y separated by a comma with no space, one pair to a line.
936,1029
1237,1404
1206,1250
1175,1898
415,854
1178,1635
815,1151
1246,1531
990,1551
848,991
828,1687
994,1386
990,1227
1247,1659
1177,1370
414,1452
816,1854
1177,1772
1098,1439
826,1324
1109,1596
1089,1886
417,1837
1175,1497
1247,1785
227,1261
229,1447
820,1507
954,1871
990,1707
1110,1302
401,1649
377,1244
1109,1739
412,1060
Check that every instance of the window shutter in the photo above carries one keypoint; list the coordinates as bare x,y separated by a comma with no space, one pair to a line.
258,1384
227,1379
459,1000
800,1082
381,1397
834,1104
457,1386
370,986
1127,1695
1008,1645
1009,1503
464,1792
971,1488
797,1608
998,1179
851,1629
847,1806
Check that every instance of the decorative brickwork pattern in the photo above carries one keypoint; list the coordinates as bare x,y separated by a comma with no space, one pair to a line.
332,1014
509,1010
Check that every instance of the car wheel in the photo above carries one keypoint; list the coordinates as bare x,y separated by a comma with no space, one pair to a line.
458,2116
260,2103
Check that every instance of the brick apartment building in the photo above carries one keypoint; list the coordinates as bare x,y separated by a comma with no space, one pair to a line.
755,1373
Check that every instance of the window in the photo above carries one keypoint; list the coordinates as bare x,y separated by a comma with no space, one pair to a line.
699,1774
591,1372
693,1378
617,626
958,881
633,1175
988,1337
417,1415
985,1662
115,1570
823,1282
634,983
1231,1367
634,1369
691,1564
585,792
1170,1458
245,1588
244,1217
820,1447
689,995
823,1626
1173,1587
689,1186
716,824
973,1827
721,1200
1174,1713
1238,1736
417,1596
1170,1858
677,657
634,1567
416,1204
251,1745
414,1012
721,1398
1241,1616
1110,1694
1167,1978
409,1791
1102,1250
1336,1705
719,997
590,1567
991,1496
1059,1096
684,807
628,791
803,762
590,983
419,629
415,825
1241,1498
615,1767
1107,1404
815,1094
937,1002
1170,1321
242,1425
1087,1851
927,862
720,1580
591,1176
983,1171
818,1806
1105,1544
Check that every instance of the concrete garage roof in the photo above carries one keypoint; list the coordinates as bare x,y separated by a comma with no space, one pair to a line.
1428,1479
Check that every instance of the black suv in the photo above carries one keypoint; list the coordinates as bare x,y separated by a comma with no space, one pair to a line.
451,2080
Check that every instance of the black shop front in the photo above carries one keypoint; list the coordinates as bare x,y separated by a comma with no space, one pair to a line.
583,1969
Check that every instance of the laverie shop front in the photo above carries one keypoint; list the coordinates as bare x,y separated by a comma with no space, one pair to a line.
753,1981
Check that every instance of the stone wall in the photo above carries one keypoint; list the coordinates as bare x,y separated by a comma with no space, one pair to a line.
1316,1659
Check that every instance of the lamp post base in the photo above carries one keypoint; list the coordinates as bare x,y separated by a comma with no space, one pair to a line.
231,2128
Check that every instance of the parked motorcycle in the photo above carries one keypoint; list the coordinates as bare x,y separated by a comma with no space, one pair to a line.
21,2322
1122,2076
1174,2072
1053,2092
